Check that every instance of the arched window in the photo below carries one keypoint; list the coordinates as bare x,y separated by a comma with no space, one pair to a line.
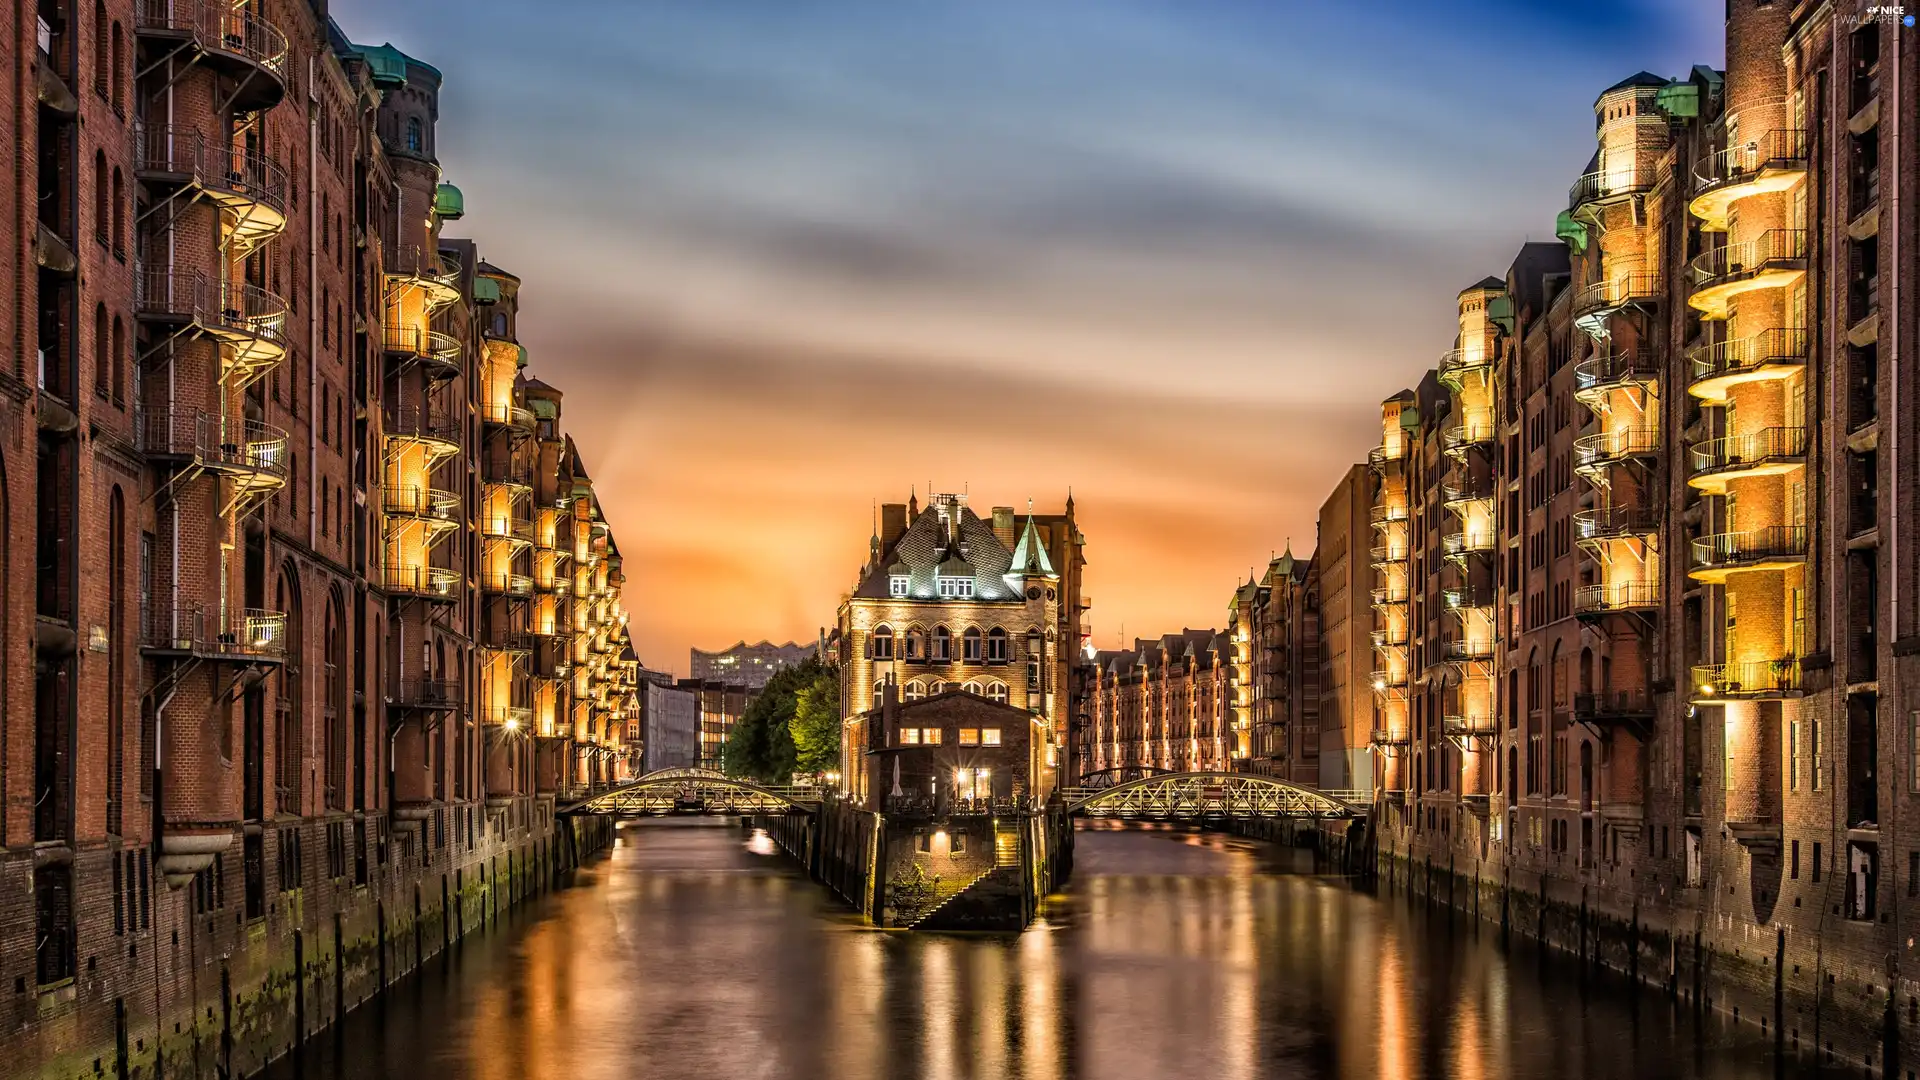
971,686
289,742
101,78
916,689
882,642
996,646
916,644
935,686
119,376
942,643
413,134
334,711
997,691
102,207
102,351
119,67
116,653
970,645
119,212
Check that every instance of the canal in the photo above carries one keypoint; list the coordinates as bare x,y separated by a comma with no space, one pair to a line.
697,951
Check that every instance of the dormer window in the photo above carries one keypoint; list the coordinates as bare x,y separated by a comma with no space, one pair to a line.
956,588
897,585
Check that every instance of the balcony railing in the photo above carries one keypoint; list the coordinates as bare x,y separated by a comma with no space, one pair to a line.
1468,596
428,694
509,717
1614,522
1384,679
1762,678
1387,513
1733,263
1462,543
1379,457
1607,370
517,529
1763,450
1612,705
1611,294
514,469
1390,594
1777,154
507,584
1389,553
443,351
227,309
1616,596
426,502
1781,348
249,634
219,28
508,415
432,425
232,175
1476,430
1469,725
1389,737
433,582
1390,638
248,449
1772,544
1466,489
1470,649
1457,364
1604,185
1619,444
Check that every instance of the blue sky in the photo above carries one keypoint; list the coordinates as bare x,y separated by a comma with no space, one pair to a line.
792,256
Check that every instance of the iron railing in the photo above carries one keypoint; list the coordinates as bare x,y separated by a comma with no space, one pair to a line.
1782,148
1615,369
1610,522
1612,704
507,584
1609,294
1748,679
1774,347
415,422
238,633
1617,445
216,26
443,349
227,307
1734,262
507,415
1768,544
164,150
428,694
1616,596
221,443
1768,445
418,580
1610,184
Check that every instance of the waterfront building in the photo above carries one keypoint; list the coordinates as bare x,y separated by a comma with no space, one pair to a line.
669,727
1166,703
286,535
1274,629
1344,583
949,600
749,665
953,753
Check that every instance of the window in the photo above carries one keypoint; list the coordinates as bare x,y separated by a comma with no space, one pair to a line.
102,357
102,200
990,736
909,736
930,736
897,585
414,140
1793,757
882,648
119,361
996,646
1793,860
997,691
969,736
957,842
916,644
956,587
916,690
1816,861
1913,750
970,646
119,65
1813,758
971,687
942,643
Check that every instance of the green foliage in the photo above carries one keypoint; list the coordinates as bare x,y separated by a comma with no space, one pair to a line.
761,745
815,726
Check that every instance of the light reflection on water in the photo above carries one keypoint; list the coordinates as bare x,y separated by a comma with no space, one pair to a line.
698,951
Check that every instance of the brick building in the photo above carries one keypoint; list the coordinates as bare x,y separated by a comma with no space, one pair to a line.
1273,624
308,594
1166,703
1343,581
719,706
1644,537
948,600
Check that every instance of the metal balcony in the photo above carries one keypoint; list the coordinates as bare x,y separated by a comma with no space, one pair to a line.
1469,726
219,35
1475,542
1767,452
248,322
1775,258
517,531
1599,301
238,635
1773,162
1383,455
1713,683
513,418
507,584
1602,449
1774,547
1389,737
427,695
437,431
1456,440
1609,185
1468,597
249,187
1384,514
1614,523
439,355
1598,375
1770,354
1388,554
1466,489
1384,681
432,504
509,717
1390,594
424,582
1593,601
1458,365
1473,649
250,455
1614,707
435,276
1390,639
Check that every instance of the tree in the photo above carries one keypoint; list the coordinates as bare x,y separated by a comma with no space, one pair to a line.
760,747
815,726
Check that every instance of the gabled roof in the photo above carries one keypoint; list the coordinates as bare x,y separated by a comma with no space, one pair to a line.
927,549
1635,80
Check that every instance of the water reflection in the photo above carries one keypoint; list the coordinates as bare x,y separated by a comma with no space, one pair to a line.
696,951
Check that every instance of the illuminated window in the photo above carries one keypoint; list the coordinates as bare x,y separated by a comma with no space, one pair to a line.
916,690
942,643
970,645
969,736
897,585
916,644
996,646
956,587
1813,752
909,736
883,643
990,736
930,736
997,691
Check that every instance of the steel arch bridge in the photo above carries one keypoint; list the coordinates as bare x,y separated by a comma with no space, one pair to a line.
695,791
1103,779
1208,796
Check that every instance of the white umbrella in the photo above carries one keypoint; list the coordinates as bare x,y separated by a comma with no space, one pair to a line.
897,793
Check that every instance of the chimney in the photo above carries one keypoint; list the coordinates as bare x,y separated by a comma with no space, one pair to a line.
893,524
1003,526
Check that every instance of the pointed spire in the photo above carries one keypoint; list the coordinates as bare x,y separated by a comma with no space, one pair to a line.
1030,555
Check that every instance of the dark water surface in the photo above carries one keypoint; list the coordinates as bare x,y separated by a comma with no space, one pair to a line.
698,951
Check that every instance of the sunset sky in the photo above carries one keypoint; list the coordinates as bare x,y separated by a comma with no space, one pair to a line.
786,258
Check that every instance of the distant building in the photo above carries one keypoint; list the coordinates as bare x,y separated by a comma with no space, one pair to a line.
1165,704
720,706
669,727
1344,579
1274,625
748,665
